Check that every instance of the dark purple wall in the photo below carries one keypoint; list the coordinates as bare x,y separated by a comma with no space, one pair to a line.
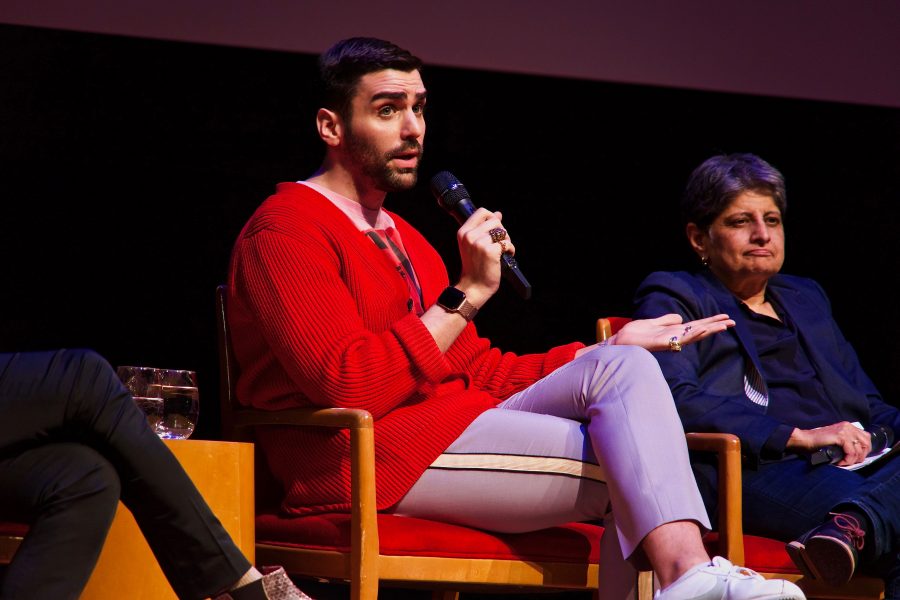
837,50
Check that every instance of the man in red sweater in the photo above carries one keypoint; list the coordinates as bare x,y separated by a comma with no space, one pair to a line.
335,301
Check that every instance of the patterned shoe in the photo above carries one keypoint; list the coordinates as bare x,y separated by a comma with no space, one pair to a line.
721,580
275,585
830,551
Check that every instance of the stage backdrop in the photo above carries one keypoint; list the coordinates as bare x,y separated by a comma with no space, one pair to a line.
130,165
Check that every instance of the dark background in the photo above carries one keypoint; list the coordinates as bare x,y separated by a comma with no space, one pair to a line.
129,166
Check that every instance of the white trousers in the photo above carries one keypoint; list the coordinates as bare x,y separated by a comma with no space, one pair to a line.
599,432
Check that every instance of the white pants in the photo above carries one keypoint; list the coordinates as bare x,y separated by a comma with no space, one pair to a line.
599,431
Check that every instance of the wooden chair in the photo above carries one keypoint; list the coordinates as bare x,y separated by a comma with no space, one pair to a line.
367,548
764,555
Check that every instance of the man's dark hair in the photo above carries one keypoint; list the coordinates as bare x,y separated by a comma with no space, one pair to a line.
342,66
720,179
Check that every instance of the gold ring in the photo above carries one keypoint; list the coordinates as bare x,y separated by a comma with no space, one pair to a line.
674,344
497,234
502,247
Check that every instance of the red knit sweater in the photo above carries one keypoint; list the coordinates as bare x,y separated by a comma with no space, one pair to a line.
319,316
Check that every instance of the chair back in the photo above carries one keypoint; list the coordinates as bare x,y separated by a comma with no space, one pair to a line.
228,374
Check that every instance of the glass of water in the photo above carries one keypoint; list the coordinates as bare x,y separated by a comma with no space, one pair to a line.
180,409
169,398
141,383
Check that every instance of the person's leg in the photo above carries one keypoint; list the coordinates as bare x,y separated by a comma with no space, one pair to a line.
507,454
878,497
76,395
877,502
783,500
527,471
793,500
68,494
514,471
636,435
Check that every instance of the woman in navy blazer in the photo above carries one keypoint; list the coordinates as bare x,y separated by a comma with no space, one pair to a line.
784,379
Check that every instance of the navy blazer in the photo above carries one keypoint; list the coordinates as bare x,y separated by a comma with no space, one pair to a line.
716,382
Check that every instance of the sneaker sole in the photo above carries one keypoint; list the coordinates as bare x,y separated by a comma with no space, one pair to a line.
823,558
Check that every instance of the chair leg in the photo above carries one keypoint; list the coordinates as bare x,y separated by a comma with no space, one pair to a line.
364,589
645,585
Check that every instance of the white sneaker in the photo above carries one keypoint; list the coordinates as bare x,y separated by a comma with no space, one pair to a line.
721,580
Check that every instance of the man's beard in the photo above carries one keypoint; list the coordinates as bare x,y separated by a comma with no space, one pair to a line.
377,168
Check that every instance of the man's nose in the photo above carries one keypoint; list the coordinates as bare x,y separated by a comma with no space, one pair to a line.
413,125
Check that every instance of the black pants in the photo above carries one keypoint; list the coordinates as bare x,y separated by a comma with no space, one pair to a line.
72,444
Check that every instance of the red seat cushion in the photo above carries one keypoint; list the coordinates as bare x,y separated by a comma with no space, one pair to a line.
408,536
760,554
767,555
13,529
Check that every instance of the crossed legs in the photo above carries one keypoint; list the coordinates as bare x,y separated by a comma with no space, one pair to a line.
72,443
599,431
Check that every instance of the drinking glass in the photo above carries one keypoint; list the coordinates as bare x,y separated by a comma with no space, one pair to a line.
181,407
141,384
169,397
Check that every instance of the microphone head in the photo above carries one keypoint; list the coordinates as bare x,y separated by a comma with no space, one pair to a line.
448,190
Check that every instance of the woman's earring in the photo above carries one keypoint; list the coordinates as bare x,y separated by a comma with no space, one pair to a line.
704,260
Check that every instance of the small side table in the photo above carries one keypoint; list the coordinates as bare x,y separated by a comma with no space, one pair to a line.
223,472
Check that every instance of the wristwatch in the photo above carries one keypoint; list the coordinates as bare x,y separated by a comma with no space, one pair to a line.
454,301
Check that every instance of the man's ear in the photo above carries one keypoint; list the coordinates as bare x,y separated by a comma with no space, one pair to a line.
698,240
330,126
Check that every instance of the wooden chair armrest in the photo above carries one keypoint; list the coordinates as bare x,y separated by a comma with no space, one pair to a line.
363,515
727,448
343,418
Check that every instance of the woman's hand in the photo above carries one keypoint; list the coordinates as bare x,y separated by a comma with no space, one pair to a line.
855,442
656,334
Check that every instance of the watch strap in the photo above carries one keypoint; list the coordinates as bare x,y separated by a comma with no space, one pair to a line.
453,300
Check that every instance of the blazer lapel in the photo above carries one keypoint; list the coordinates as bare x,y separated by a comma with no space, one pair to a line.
754,383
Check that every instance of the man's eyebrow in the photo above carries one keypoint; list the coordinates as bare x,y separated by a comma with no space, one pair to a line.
396,96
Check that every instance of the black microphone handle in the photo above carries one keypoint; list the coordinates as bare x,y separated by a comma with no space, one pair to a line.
461,210
882,437
509,268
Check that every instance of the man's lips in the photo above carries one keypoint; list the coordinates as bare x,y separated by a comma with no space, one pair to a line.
406,159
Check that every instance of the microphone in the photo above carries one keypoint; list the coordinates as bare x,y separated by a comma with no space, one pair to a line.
453,197
882,437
